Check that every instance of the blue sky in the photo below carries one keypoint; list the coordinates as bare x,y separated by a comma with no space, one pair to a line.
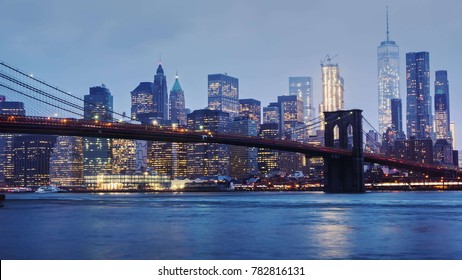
79,44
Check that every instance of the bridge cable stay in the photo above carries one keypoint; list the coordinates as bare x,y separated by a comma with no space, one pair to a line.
60,91
313,125
43,101
376,131
41,92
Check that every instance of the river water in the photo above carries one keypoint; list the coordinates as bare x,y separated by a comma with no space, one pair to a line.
240,225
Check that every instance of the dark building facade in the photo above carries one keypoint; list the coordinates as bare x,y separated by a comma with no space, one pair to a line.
268,159
97,152
243,159
7,140
419,122
32,160
205,159
397,117
160,93
442,113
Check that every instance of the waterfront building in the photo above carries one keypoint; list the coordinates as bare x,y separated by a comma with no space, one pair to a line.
243,159
168,158
6,141
268,160
66,162
177,104
250,108
123,156
127,182
442,113
443,153
31,160
332,89
160,94
223,94
388,80
97,152
419,150
419,121
205,159
142,99
303,88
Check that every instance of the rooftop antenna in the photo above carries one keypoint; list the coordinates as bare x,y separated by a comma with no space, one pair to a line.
160,57
388,32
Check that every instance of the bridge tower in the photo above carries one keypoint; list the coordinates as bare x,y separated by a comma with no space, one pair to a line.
343,129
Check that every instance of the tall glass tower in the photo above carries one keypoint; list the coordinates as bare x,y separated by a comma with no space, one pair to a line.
177,104
419,121
388,79
303,88
97,152
332,89
160,93
442,116
223,94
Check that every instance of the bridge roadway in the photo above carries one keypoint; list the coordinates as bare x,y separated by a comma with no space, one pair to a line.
119,130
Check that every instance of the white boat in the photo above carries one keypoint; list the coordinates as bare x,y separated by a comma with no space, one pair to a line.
47,189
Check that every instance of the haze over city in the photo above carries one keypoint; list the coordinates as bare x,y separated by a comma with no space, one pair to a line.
79,45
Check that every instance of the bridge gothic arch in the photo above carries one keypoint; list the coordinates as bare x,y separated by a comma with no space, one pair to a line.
344,175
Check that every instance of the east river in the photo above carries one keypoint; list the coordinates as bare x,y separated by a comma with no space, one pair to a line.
239,225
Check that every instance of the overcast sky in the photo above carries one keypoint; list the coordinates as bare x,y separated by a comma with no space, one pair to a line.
79,44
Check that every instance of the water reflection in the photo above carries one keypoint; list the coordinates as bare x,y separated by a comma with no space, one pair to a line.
233,226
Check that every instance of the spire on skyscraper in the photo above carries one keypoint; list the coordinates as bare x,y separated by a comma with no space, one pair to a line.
160,70
176,86
388,31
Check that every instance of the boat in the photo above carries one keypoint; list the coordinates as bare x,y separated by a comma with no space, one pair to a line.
47,189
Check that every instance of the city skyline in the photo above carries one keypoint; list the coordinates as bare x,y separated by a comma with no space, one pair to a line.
259,52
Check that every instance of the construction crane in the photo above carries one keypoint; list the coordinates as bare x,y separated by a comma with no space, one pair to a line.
328,59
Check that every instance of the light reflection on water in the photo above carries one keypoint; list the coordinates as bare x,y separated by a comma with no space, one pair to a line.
398,225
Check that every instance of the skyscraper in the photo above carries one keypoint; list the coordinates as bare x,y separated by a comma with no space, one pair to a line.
32,159
268,159
203,158
250,108
388,79
442,116
303,88
223,94
123,156
66,162
160,93
142,98
291,111
97,152
271,113
332,89
243,159
418,102
7,140
397,117
177,104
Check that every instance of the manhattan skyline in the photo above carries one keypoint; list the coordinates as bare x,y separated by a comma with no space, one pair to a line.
79,45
